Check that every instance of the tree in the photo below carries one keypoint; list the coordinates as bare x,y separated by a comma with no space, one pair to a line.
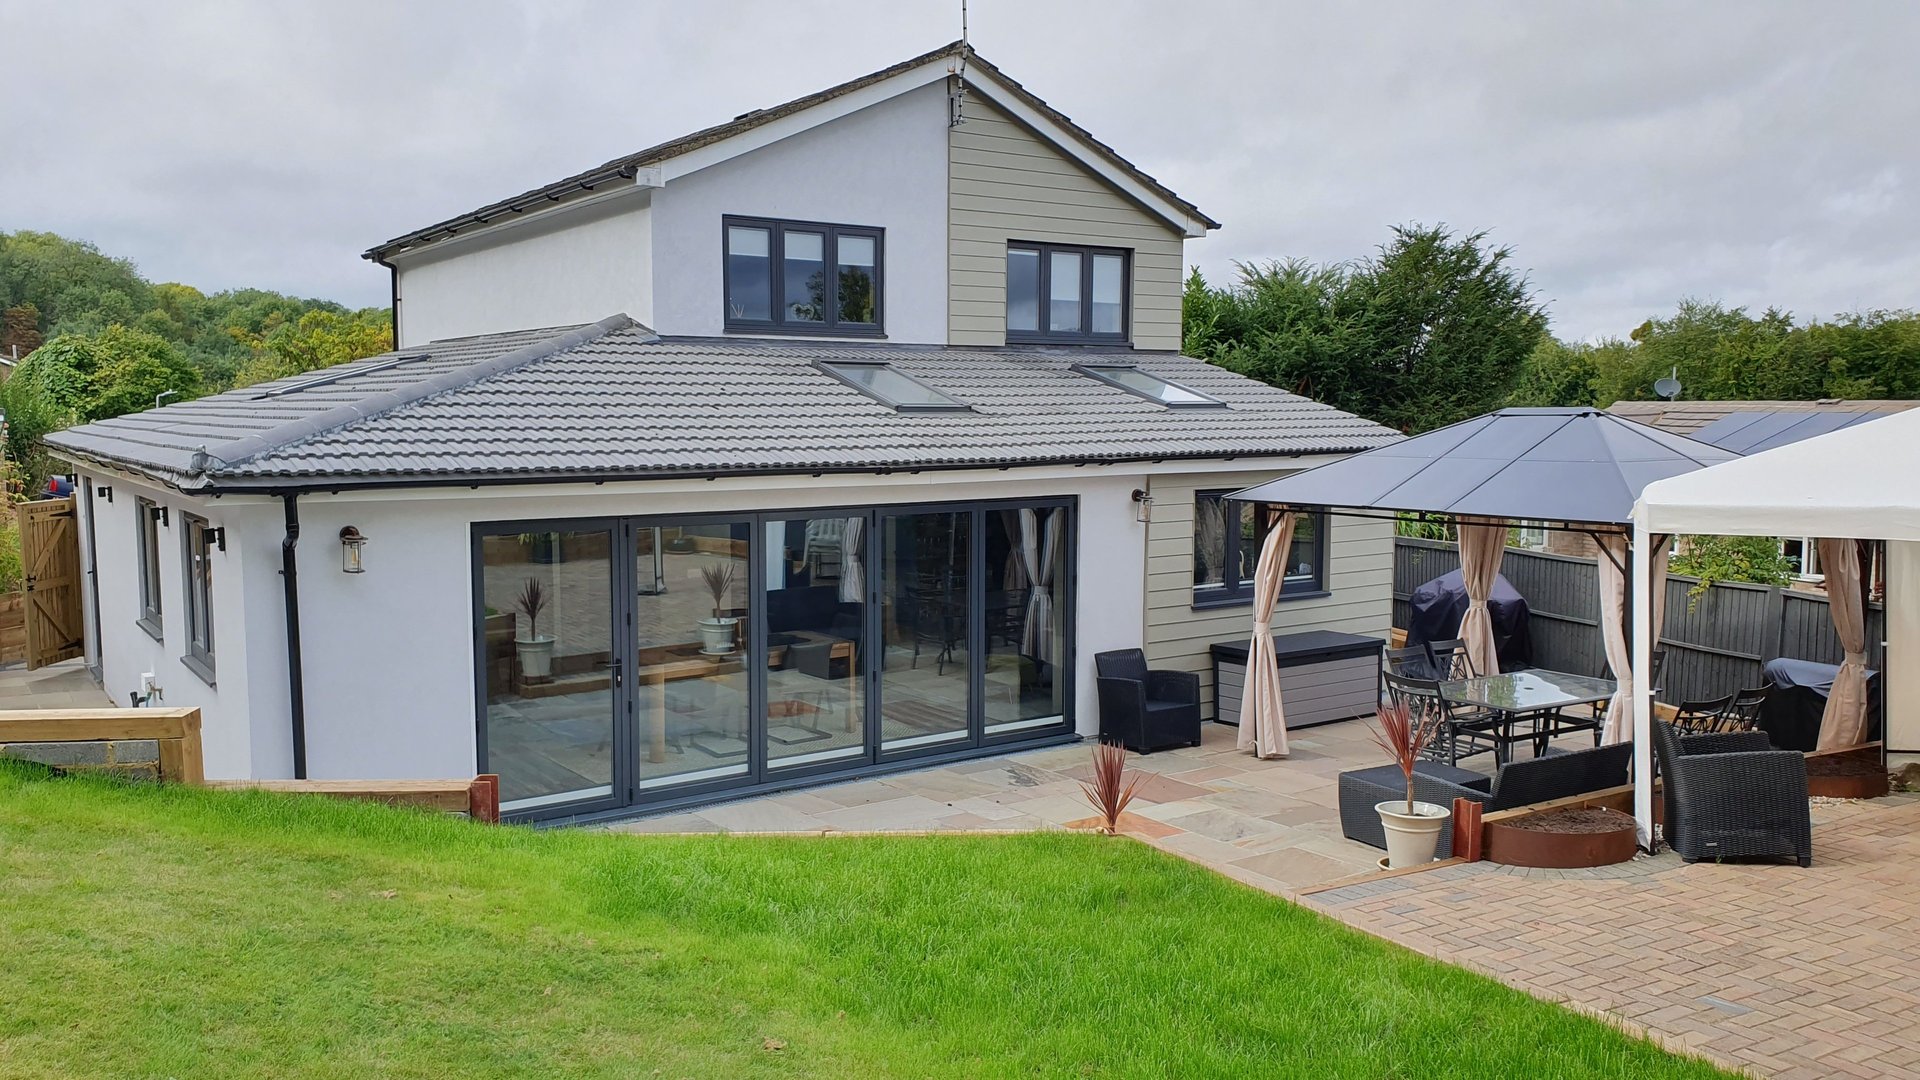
1433,329
71,284
20,331
319,339
133,370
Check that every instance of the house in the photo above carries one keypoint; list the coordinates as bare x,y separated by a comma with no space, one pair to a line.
837,438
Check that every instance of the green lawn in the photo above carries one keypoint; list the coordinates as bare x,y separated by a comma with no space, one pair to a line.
182,933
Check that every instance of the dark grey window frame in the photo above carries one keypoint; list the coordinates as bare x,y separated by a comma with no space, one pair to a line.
1085,335
1239,593
198,593
1099,371
147,518
829,367
776,268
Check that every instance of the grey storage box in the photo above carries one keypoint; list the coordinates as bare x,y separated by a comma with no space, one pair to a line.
1324,676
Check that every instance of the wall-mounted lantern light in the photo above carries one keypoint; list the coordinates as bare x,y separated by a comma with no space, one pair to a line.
351,543
159,514
1142,505
103,493
216,537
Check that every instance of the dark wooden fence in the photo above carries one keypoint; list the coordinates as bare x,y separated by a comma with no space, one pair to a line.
1714,646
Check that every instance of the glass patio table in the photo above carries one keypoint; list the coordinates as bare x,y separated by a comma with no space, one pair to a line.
1529,697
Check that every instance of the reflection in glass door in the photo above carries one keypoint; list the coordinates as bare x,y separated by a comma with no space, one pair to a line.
816,639
926,665
549,667
690,681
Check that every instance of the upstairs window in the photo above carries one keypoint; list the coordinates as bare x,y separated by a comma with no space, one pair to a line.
1227,537
1061,293
796,277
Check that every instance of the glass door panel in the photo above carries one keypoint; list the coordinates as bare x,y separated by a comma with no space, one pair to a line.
549,666
690,671
925,667
1026,560
816,639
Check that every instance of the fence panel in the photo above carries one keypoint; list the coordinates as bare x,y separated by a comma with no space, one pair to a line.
1715,644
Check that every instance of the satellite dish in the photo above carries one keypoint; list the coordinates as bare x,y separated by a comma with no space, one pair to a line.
1668,388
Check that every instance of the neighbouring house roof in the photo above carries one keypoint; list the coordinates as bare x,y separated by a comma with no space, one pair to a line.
981,74
1752,426
614,400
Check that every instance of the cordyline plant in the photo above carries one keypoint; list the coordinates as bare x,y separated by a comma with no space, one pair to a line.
1111,789
531,602
719,581
1404,735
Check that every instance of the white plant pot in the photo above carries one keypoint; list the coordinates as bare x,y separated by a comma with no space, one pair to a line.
716,635
1412,838
536,656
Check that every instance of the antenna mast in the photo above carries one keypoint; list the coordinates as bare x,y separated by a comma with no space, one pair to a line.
956,101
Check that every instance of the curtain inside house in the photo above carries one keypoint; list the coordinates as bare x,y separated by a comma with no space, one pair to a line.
853,577
1482,545
1263,724
1039,540
1845,721
1613,625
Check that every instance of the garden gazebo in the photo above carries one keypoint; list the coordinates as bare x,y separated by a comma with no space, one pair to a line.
1577,469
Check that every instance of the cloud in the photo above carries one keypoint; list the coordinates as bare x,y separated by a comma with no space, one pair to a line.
1630,154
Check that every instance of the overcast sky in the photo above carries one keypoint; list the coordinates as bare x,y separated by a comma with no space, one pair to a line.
1757,153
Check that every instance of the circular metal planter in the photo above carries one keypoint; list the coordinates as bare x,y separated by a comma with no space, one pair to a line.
1513,846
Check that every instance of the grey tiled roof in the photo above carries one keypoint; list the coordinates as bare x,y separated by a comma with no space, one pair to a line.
612,399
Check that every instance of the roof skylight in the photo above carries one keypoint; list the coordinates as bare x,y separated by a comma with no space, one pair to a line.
1152,387
889,386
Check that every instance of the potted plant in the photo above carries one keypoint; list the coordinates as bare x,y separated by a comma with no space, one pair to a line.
536,649
1412,827
717,633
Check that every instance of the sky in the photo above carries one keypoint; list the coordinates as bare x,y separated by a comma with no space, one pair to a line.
1761,154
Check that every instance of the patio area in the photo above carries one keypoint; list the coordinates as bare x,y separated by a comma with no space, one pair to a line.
1271,824
1786,972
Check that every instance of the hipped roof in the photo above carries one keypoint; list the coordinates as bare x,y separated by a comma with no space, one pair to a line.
1580,466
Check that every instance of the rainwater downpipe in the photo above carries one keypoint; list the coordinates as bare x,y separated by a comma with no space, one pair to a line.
290,581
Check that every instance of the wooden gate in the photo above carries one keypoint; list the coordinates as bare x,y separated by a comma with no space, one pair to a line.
50,554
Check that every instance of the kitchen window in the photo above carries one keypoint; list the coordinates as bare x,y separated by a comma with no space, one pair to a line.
147,518
1062,293
1227,537
198,541
795,277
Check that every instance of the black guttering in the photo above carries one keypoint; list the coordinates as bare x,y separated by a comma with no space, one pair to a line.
296,679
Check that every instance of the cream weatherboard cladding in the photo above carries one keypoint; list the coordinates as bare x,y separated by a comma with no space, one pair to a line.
1359,583
1005,183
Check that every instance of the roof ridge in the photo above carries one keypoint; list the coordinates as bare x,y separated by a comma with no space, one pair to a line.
240,451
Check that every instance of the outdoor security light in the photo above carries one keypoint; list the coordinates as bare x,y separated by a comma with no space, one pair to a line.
351,543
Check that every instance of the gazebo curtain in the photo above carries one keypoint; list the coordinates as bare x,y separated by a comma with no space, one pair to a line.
1482,545
1039,544
1613,625
1263,724
1845,721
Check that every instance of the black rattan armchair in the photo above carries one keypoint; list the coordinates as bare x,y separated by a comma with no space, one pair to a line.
1730,796
1147,710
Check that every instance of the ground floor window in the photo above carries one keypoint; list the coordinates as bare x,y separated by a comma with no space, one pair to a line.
634,660
1227,537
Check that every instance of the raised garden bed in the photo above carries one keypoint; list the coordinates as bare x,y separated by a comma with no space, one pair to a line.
1563,839
1845,776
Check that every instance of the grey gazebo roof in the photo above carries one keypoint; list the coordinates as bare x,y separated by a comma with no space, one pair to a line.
1581,466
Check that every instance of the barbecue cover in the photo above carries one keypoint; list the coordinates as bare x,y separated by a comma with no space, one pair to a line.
1439,605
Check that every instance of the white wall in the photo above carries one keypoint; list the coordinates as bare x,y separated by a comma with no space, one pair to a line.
1901,669
885,166
244,712
591,262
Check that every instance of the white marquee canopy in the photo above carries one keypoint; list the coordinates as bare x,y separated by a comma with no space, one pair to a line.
1861,482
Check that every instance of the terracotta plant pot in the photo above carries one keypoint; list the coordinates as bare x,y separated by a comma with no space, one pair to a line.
1538,844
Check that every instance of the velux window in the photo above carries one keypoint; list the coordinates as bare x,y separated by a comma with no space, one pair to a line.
1152,387
802,277
890,386
1060,293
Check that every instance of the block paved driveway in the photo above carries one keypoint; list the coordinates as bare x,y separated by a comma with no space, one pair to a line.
1770,968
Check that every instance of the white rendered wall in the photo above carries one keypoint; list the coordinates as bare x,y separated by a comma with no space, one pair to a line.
244,727
884,166
1900,673
581,267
